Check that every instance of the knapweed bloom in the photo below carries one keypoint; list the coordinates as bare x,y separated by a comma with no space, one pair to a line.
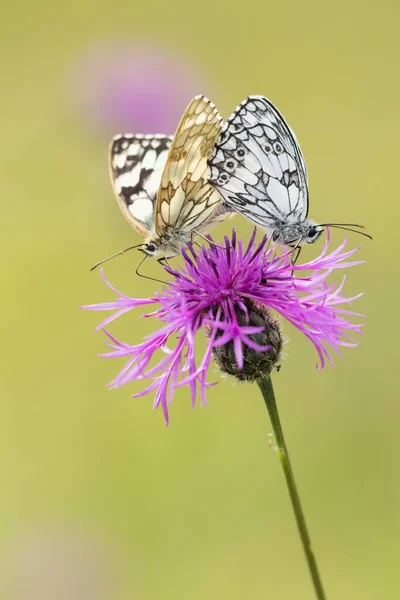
233,292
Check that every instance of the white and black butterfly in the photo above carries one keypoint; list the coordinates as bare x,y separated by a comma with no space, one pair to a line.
259,170
162,182
136,165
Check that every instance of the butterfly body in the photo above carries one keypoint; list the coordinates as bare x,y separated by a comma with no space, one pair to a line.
259,170
162,182
290,234
172,240
168,244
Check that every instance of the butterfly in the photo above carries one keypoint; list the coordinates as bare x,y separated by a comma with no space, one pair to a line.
258,168
161,182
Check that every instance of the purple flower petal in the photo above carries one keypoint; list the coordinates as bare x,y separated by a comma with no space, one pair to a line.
209,290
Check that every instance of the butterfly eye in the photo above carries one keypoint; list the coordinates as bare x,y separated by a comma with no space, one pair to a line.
268,148
313,234
150,248
230,165
278,148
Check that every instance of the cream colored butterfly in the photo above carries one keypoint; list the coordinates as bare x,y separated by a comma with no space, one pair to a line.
162,185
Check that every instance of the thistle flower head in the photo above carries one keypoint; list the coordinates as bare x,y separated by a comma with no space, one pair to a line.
233,292
258,360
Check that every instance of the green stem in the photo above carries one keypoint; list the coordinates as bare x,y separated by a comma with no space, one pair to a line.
269,398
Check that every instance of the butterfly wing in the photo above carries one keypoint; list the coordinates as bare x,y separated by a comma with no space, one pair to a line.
136,166
258,167
185,199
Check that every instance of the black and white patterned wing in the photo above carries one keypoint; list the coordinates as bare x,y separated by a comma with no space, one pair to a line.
257,165
136,166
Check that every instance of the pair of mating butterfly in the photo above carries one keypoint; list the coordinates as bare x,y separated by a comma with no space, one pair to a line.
173,188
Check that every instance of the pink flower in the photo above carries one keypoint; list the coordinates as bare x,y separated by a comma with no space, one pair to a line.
138,88
215,290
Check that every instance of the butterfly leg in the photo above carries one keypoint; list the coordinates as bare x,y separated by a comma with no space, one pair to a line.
296,251
164,260
146,276
268,246
204,238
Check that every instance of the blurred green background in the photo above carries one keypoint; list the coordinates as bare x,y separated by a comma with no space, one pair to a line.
96,493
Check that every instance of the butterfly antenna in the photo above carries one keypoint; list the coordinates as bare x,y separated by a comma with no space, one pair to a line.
113,256
353,227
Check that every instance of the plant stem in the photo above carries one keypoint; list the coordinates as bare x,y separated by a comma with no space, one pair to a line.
269,398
